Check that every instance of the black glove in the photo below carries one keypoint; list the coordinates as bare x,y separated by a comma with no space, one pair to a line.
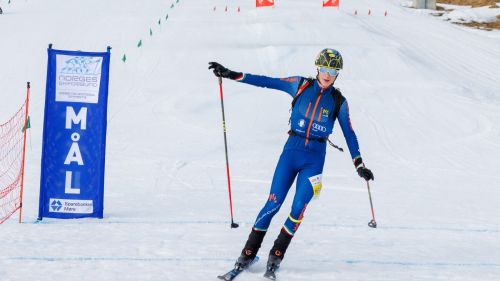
221,71
362,170
365,173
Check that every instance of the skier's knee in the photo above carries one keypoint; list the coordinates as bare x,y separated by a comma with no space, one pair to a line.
273,202
298,209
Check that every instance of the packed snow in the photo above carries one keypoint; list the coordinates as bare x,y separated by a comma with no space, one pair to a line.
424,99
464,14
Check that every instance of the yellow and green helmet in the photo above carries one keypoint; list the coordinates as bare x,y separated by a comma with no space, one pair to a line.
329,58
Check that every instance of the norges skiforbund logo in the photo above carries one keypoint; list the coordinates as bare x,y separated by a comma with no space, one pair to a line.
80,72
78,78
82,65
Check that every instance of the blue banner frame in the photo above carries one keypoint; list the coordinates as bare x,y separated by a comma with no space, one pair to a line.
74,134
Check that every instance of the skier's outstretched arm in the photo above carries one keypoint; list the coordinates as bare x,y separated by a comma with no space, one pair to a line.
288,85
352,142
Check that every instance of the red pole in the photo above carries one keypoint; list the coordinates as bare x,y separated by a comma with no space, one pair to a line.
24,152
233,224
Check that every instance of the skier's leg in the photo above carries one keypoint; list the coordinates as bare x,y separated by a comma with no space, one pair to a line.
308,179
284,176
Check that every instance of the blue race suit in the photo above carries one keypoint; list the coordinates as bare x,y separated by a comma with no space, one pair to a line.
304,152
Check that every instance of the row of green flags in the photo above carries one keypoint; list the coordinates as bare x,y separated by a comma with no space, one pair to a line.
139,44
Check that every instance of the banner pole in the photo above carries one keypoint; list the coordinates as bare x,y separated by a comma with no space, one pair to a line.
24,151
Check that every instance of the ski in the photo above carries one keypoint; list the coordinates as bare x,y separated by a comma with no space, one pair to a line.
233,273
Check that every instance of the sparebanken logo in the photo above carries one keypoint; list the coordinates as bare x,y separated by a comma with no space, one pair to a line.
56,205
82,65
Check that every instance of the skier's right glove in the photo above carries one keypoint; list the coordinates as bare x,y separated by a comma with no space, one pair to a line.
221,71
362,170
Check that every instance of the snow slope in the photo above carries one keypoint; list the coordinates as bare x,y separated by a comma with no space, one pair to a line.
424,97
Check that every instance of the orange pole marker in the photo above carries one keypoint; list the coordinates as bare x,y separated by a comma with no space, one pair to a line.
28,87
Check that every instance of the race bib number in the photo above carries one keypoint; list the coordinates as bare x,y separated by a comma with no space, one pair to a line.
316,184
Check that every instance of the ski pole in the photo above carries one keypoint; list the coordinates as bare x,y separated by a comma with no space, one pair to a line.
233,224
372,223
335,146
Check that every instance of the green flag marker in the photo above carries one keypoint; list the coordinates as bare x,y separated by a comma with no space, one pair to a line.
159,22
150,32
139,44
28,125
166,18
124,58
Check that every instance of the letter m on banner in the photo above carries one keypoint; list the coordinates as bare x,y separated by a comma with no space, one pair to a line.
74,135
331,3
264,3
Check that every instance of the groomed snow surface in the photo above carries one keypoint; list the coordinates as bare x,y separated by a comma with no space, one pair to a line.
424,98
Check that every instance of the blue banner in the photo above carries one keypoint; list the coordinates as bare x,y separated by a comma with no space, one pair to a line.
74,135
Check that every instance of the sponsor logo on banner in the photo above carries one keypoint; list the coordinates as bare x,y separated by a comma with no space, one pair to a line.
56,205
78,78
71,206
316,182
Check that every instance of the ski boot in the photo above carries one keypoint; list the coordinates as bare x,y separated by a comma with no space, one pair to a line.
273,264
277,253
244,261
250,250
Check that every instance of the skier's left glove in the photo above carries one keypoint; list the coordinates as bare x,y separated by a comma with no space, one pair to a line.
221,71
362,170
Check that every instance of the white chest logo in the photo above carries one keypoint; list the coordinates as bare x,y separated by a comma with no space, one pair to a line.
302,122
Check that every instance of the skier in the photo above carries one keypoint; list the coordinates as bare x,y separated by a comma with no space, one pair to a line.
1,12
315,106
